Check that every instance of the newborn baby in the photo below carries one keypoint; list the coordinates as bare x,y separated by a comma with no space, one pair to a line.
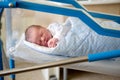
72,38
47,37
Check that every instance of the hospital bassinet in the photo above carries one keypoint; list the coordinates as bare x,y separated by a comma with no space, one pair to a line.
23,21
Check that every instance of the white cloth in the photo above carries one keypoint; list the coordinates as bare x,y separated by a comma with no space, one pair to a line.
58,30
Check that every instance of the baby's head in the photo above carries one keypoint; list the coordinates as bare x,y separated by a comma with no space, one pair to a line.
38,35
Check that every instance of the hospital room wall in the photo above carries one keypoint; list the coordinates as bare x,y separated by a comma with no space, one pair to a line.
24,18
108,8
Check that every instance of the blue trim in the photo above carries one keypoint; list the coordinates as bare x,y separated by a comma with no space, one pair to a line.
69,12
72,2
12,65
1,11
103,55
1,62
115,18
94,14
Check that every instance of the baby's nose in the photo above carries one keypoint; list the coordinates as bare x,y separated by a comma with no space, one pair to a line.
42,38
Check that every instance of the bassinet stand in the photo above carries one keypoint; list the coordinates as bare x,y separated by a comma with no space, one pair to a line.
82,12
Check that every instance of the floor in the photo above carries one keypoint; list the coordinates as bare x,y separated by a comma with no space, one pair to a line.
72,75
82,75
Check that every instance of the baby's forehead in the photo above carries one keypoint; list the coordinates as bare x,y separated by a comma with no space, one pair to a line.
32,29
33,35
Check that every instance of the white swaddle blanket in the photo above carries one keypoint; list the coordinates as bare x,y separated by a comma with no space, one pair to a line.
80,41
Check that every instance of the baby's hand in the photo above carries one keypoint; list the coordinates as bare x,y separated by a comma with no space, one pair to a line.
52,42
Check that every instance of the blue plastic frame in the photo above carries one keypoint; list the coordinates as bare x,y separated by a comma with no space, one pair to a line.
103,55
92,13
1,45
1,61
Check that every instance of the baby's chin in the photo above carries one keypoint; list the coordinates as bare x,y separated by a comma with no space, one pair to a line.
45,45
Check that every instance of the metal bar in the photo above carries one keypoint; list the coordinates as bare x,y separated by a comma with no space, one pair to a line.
47,65
83,15
65,74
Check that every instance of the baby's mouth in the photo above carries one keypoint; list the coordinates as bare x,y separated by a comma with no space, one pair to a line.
46,43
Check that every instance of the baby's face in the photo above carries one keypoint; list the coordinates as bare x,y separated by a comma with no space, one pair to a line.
40,36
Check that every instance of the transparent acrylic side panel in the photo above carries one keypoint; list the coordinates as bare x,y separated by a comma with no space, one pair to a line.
20,20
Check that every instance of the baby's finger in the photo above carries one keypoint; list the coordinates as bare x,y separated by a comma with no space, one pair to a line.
52,45
49,46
